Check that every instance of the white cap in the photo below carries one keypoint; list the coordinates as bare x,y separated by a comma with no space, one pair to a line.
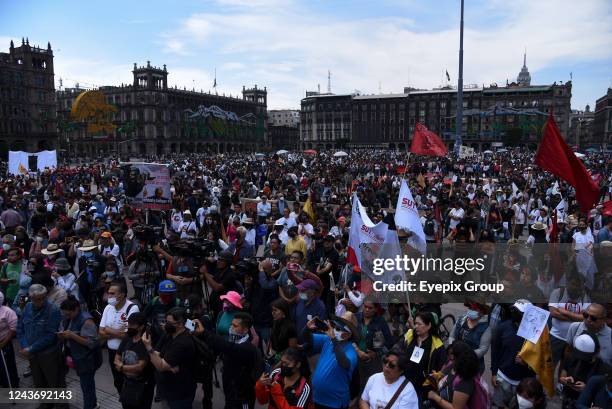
521,305
585,343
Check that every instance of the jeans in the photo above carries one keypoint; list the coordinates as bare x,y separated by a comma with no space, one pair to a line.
117,376
88,386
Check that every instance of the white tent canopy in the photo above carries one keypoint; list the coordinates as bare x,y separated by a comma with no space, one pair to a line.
340,154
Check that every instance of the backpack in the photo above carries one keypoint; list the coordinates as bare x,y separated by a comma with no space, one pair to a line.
481,398
429,228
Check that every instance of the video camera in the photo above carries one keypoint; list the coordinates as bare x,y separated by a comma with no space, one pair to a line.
148,234
197,248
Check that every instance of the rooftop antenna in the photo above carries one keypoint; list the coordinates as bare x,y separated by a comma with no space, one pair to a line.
328,81
319,88
379,87
61,83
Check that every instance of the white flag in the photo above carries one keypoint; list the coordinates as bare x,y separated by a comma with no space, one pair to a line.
515,190
555,189
363,231
407,218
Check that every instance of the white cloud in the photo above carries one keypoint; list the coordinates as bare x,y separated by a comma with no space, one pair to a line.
290,49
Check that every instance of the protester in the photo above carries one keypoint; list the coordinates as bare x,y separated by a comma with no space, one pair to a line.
390,388
8,329
242,361
113,325
597,394
80,335
529,395
337,362
37,335
173,360
286,386
132,360
473,329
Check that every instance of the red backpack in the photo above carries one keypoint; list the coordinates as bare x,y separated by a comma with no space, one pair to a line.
481,398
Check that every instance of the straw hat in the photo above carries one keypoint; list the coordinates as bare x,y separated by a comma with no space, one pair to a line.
538,226
51,249
348,320
88,245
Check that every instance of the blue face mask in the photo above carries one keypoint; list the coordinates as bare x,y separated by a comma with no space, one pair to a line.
473,315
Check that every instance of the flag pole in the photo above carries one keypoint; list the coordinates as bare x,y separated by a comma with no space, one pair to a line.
459,119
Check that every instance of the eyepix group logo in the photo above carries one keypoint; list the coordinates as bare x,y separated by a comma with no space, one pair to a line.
372,234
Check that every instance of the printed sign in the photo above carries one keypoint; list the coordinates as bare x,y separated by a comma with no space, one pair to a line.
148,184
533,323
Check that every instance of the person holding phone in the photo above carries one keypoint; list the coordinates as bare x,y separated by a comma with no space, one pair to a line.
285,387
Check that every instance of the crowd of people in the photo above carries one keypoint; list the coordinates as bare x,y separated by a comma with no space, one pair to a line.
231,287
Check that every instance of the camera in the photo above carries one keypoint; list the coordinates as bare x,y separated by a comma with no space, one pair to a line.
149,234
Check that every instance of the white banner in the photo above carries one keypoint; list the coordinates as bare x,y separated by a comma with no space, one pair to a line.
19,162
407,218
363,231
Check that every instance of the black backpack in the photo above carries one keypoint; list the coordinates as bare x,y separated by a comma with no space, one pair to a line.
430,227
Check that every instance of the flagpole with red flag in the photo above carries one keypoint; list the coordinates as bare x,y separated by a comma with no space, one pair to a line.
425,142
556,157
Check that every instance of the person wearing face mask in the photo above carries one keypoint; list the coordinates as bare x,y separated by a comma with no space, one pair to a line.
529,395
473,329
566,305
91,267
582,243
507,369
338,360
597,393
581,364
80,335
10,273
285,387
309,305
173,359
133,361
232,304
114,324
156,310
37,335
65,278
595,323
242,361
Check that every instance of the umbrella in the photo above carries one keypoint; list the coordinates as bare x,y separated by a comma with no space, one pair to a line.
340,154
488,152
502,150
281,152
310,152
579,155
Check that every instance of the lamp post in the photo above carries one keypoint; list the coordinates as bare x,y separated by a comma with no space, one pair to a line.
459,120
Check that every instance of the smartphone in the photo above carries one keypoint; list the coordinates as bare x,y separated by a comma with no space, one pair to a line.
320,324
190,325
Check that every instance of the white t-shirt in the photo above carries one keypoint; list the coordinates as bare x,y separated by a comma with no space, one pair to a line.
378,393
456,213
519,213
116,319
582,240
559,328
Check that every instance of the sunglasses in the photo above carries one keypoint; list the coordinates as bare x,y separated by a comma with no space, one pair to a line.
588,316
390,364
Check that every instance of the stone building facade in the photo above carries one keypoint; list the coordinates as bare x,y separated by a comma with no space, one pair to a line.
153,118
27,100
602,122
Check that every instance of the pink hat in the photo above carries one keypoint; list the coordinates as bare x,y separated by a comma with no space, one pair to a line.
233,297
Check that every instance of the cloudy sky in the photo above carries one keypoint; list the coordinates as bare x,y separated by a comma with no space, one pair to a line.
289,45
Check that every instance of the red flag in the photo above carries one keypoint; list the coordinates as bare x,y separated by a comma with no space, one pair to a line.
607,210
555,156
554,231
425,142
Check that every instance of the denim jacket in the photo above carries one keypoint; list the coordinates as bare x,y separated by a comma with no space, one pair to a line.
36,330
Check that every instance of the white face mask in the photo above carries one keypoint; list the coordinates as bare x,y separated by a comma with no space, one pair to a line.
523,403
338,335
112,301
304,296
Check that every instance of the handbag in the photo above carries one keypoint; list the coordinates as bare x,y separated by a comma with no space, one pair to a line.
397,393
132,393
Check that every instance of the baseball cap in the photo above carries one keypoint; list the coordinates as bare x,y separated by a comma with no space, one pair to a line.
166,286
308,284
